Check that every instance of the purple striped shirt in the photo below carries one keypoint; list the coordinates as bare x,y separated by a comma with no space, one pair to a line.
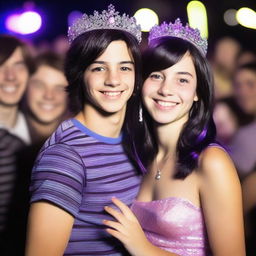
80,171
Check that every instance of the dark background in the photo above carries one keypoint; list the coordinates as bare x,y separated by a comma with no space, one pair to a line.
55,15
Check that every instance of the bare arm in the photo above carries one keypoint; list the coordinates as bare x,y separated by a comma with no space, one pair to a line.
221,199
128,230
49,230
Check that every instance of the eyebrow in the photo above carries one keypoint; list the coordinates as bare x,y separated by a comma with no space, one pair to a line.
105,62
184,73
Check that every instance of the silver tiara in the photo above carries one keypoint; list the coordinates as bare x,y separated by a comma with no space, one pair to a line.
108,19
176,29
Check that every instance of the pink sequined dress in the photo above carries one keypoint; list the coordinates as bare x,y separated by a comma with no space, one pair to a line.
173,224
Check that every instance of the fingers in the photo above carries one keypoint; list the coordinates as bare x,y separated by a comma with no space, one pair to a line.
124,208
112,224
116,229
116,214
116,234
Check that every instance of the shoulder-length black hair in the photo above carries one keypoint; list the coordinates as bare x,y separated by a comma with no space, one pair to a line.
199,131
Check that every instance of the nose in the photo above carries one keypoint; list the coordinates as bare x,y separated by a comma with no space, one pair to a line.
165,89
48,94
112,78
9,74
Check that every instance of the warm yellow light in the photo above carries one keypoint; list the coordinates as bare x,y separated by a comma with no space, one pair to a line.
246,17
147,18
197,17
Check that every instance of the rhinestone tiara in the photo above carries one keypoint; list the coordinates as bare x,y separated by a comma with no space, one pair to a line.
176,29
108,19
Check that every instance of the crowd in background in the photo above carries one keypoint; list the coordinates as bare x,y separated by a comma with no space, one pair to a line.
33,101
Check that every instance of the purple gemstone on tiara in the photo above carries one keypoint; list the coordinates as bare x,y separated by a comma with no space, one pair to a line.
111,20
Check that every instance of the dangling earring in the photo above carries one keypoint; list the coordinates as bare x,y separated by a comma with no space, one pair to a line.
140,115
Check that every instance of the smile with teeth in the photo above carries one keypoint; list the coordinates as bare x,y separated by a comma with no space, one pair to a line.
9,89
166,103
112,94
47,107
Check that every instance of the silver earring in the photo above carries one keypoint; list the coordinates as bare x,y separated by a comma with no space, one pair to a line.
140,115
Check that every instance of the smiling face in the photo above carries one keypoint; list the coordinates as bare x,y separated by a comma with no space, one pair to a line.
46,95
169,94
110,79
13,79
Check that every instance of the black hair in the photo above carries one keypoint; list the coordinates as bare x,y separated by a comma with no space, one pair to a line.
8,44
250,66
199,131
51,59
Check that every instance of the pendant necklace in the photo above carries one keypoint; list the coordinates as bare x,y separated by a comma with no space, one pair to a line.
158,170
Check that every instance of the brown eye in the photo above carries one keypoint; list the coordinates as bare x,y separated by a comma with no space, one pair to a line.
97,69
183,80
126,69
155,76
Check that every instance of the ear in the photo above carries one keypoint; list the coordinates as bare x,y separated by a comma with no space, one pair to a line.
196,98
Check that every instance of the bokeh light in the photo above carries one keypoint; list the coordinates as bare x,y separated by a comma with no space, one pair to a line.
197,17
230,17
246,17
147,18
24,23
74,15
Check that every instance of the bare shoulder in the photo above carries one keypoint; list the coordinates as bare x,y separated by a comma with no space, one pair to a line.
215,164
221,201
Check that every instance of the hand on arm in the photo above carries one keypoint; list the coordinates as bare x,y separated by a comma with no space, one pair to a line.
220,194
49,230
128,230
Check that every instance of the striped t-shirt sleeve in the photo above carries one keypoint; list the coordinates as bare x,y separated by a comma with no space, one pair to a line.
58,176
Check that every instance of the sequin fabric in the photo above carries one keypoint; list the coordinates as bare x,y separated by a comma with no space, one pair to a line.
173,224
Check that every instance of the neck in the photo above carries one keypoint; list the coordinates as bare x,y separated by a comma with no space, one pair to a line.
8,115
108,125
168,136
40,131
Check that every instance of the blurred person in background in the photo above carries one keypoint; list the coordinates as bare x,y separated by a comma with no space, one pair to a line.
228,117
46,105
15,68
243,148
243,145
223,64
46,96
